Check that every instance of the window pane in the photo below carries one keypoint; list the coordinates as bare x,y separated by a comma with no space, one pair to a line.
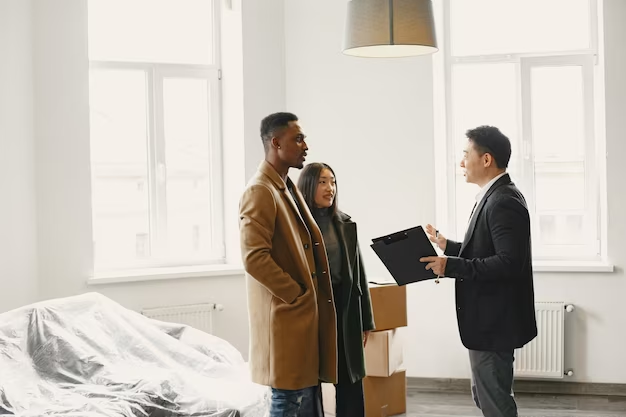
560,187
560,196
558,134
481,27
558,127
562,229
465,199
482,94
119,166
166,31
186,104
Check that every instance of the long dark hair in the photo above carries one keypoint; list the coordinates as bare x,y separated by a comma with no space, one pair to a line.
309,181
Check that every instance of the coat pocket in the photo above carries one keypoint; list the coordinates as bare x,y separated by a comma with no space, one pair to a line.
303,293
294,340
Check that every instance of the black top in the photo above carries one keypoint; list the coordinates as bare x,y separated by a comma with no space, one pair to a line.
332,241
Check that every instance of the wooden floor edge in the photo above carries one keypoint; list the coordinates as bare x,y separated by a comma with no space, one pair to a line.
521,386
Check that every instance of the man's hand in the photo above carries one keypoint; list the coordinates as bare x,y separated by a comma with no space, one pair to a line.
436,263
366,334
436,237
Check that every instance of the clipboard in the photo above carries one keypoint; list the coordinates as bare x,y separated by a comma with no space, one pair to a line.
400,252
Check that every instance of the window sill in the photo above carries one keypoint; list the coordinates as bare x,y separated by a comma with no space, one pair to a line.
572,266
158,274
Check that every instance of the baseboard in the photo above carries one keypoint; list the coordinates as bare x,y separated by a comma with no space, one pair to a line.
521,386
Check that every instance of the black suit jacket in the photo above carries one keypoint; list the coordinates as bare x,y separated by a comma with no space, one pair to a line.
493,271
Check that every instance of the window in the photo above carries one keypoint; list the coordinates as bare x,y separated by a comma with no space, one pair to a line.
530,69
155,133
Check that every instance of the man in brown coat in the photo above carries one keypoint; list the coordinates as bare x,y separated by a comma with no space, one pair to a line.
293,342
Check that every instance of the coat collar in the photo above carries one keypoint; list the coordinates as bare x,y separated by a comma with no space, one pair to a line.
483,191
269,171
265,168
505,179
342,217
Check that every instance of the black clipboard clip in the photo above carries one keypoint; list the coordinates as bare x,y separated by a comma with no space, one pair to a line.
393,238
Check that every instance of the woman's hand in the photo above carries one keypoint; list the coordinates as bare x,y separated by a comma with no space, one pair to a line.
366,334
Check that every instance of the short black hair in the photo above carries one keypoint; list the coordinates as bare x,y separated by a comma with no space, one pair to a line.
309,181
489,139
272,123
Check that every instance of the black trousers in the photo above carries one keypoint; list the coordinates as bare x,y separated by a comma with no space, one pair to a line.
492,383
349,395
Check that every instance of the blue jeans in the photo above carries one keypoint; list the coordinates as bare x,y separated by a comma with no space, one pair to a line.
297,403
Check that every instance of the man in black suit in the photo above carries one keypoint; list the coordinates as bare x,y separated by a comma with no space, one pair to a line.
493,271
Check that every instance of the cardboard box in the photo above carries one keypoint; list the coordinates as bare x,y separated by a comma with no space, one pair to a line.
389,306
384,353
385,396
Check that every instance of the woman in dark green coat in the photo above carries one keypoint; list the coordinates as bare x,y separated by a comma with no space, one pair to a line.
318,185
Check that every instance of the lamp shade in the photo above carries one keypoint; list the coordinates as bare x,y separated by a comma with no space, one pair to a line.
390,28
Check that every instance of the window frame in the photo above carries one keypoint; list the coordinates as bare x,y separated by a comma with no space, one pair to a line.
156,73
585,62
595,164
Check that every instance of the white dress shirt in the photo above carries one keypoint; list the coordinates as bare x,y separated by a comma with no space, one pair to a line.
483,192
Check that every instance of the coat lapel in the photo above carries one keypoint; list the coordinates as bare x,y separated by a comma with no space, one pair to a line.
270,172
293,204
470,228
347,232
308,220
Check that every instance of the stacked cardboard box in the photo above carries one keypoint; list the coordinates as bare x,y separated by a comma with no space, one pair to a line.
385,384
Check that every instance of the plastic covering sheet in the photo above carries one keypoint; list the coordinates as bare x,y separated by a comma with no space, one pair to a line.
89,356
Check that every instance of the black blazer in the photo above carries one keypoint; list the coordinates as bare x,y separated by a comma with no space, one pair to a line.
493,271
355,309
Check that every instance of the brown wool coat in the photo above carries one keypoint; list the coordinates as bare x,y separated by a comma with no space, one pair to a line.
293,336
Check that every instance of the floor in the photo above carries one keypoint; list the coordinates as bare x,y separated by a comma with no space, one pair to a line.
421,404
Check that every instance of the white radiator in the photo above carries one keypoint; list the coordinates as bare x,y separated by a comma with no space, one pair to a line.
543,356
199,316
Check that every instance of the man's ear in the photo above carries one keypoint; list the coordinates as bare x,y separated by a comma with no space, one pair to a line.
275,142
488,160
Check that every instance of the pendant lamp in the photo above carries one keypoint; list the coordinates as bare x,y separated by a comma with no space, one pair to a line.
390,28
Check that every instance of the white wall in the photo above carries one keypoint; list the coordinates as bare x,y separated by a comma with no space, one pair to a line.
264,71
62,154
372,120
18,259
